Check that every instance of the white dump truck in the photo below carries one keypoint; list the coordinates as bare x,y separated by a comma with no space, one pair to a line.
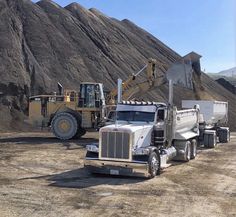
146,136
213,121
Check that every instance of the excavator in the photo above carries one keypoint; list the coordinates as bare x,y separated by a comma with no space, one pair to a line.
71,113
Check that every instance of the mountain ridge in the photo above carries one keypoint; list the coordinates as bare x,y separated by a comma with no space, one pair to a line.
228,72
43,43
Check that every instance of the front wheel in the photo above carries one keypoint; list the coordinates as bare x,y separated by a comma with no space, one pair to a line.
80,132
154,164
64,125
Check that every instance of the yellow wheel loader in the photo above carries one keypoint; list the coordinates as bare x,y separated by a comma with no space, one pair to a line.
71,113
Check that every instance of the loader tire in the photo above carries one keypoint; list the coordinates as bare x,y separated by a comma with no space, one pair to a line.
154,164
80,132
193,149
64,125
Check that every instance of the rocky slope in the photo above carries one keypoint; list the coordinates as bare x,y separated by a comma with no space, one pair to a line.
42,43
228,83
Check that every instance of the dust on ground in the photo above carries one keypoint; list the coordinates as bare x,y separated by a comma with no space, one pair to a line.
43,176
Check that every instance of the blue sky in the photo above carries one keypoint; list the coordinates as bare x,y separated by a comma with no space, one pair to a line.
207,27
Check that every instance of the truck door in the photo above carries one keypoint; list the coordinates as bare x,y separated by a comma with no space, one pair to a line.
160,127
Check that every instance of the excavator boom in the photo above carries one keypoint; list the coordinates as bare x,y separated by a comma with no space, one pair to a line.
130,87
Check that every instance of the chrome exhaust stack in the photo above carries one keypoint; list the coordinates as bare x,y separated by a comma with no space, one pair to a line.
119,86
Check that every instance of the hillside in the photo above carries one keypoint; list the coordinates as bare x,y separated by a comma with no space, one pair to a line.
226,78
42,43
229,72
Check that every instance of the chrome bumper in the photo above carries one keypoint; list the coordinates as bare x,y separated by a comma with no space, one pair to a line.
134,168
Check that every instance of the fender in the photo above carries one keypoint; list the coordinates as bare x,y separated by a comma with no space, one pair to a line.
77,115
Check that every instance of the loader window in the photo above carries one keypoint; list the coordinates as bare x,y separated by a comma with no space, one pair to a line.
97,96
89,96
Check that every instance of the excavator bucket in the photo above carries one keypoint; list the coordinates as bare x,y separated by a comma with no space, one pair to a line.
181,74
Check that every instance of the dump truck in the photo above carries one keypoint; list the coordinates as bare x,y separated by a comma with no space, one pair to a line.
147,136
213,121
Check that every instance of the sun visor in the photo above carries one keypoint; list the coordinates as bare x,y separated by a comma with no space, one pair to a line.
140,108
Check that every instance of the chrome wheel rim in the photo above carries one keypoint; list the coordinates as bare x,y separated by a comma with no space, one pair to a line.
194,150
188,152
154,165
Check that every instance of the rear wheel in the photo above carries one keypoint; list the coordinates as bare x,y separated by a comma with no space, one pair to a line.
224,135
193,149
154,164
209,140
187,154
183,148
64,125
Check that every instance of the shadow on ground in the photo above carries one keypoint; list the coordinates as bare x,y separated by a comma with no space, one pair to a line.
69,181
46,140
81,178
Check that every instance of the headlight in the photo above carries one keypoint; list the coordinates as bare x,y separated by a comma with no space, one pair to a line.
141,151
92,148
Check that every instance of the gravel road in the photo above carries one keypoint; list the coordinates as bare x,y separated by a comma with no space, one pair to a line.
42,176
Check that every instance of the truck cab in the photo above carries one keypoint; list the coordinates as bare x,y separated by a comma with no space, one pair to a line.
145,137
131,145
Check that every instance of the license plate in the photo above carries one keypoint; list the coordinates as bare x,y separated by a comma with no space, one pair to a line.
114,172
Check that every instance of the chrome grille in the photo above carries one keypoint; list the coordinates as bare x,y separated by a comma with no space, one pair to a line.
115,145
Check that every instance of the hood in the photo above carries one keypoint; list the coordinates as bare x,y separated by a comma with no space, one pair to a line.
127,127
141,132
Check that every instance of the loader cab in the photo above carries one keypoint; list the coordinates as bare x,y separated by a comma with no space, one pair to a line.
91,95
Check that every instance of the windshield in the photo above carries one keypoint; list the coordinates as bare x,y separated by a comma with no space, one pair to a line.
135,116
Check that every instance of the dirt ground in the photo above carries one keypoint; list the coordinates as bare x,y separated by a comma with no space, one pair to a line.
42,176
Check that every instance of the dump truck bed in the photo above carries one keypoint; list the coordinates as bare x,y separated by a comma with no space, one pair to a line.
212,111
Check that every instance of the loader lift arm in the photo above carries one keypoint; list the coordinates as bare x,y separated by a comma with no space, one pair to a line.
153,79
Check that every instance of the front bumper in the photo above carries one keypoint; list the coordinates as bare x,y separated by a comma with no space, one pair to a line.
134,168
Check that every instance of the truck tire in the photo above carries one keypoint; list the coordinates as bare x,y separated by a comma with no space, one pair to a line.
154,164
193,149
209,141
64,125
224,135
187,155
183,148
